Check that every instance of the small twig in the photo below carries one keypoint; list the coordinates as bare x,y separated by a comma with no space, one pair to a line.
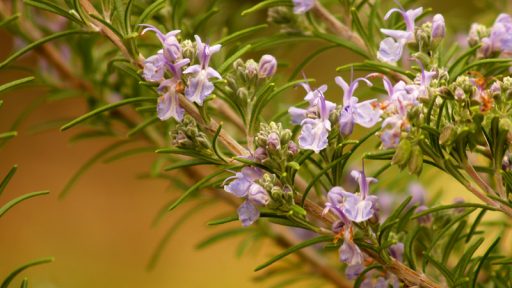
337,27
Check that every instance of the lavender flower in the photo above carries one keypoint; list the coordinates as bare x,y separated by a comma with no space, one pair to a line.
154,68
352,112
314,132
199,85
302,6
391,48
244,186
172,47
168,104
409,18
267,66
349,252
390,51
501,34
356,207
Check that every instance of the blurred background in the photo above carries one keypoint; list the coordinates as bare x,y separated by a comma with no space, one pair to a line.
101,235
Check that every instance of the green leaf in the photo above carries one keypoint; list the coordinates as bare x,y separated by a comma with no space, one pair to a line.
24,283
20,199
129,153
187,163
204,19
475,224
306,60
227,63
451,206
267,4
239,34
170,232
220,236
53,8
200,184
8,178
13,274
215,144
223,220
9,19
461,58
15,83
8,135
150,11
105,108
38,43
87,165
441,268
293,249
141,126
482,62
343,43
482,261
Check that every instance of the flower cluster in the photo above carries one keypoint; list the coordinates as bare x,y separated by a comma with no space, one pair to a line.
495,40
316,118
168,66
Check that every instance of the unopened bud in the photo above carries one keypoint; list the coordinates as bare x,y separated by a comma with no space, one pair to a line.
438,28
402,154
267,66
273,141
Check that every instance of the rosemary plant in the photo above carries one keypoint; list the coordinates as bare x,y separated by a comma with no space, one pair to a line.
202,88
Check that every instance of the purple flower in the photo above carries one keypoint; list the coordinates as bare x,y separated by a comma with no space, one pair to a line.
154,68
267,66
244,186
390,51
302,6
349,252
417,191
168,104
171,45
356,207
353,271
352,112
438,27
397,251
501,34
409,18
199,85
315,132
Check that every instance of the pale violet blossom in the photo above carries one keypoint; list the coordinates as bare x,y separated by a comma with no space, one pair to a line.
302,6
244,185
363,113
356,207
391,48
199,86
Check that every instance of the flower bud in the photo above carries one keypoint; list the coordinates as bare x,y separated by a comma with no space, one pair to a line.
267,66
251,68
477,32
495,89
279,15
402,154
438,28
459,94
273,141
188,49
486,49
448,134
415,164
260,154
293,149
425,219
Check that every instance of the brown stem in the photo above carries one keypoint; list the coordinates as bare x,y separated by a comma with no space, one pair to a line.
337,27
